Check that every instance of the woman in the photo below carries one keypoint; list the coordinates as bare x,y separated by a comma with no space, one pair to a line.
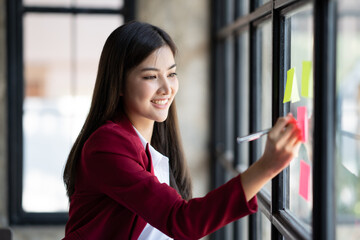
126,176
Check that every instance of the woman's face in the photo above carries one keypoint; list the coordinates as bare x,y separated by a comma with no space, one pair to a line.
150,88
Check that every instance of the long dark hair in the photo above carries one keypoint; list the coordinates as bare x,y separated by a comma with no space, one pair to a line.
126,47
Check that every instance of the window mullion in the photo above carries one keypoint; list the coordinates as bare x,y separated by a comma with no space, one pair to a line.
324,111
279,182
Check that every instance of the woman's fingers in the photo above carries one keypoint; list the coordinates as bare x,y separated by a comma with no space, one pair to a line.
290,132
280,125
283,129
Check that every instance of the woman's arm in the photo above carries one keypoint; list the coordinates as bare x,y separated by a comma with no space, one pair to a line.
282,145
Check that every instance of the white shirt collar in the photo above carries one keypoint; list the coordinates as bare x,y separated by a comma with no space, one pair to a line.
159,161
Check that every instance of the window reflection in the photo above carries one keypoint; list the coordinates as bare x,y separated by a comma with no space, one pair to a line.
348,121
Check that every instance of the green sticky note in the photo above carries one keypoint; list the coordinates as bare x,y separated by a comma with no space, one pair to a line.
307,80
289,83
291,88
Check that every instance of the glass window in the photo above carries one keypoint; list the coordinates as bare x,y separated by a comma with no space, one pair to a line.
242,96
229,11
265,227
51,3
242,8
75,3
60,71
264,76
229,96
261,2
348,121
99,3
298,72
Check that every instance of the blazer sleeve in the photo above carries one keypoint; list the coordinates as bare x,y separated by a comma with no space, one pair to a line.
111,163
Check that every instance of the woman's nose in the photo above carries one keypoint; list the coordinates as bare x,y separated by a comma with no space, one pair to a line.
165,86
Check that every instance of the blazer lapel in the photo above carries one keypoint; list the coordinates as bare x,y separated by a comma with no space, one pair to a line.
150,167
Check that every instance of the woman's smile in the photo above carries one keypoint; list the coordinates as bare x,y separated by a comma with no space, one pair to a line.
160,103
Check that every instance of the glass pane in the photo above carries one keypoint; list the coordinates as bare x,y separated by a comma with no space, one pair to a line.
76,3
243,228
60,70
242,76
261,2
229,14
265,227
49,3
46,141
242,8
348,121
99,3
298,60
264,74
229,96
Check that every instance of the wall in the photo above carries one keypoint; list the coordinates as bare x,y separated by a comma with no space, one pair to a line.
188,23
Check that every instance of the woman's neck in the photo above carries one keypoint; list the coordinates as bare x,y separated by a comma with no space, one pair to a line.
145,128
146,132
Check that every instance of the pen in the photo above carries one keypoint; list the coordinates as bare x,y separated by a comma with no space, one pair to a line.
253,136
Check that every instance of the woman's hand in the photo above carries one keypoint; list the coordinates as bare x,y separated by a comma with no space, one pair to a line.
282,146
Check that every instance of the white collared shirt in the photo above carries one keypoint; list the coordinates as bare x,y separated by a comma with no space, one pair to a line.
161,170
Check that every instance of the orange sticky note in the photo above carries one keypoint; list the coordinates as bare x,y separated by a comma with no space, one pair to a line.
302,121
291,88
304,180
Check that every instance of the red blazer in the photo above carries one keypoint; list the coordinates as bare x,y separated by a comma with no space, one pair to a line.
116,194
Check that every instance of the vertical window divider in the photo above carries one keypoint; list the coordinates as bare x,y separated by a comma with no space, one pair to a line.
129,10
277,187
14,104
325,115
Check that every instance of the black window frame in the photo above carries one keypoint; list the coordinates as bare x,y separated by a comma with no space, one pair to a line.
15,90
283,223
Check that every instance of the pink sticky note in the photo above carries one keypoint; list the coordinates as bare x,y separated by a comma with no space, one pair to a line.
302,120
304,180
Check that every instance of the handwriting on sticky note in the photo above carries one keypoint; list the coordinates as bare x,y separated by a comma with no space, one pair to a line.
307,80
291,88
304,180
302,120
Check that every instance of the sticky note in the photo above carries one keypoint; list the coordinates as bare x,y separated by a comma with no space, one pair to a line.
302,121
304,180
291,88
307,80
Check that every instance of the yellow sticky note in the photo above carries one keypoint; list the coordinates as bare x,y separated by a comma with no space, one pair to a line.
291,88
307,80
295,90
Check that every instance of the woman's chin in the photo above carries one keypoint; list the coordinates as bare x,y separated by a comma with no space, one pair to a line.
161,119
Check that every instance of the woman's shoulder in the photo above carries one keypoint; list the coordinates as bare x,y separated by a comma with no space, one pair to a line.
114,136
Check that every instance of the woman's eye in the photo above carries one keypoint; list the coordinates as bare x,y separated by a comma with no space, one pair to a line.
172,74
149,77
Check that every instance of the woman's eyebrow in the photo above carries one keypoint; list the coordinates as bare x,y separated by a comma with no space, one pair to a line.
156,69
